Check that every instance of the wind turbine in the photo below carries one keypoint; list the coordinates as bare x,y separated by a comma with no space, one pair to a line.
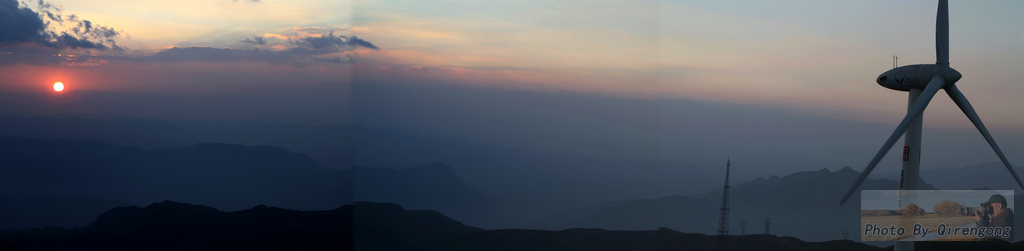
923,81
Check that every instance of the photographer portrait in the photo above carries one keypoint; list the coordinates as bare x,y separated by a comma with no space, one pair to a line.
995,214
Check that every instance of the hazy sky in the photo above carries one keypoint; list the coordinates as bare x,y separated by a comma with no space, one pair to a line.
776,81
806,68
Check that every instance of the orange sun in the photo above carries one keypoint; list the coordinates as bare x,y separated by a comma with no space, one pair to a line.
58,86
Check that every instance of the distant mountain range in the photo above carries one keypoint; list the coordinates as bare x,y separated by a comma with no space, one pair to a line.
525,184
486,186
992,175
66,183
433,186
225,176
322,142
522,184
803,204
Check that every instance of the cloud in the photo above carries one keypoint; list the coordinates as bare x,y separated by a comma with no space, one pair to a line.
278,36
255,40
328,43
44,8
21,26
66,40
357,41
299,51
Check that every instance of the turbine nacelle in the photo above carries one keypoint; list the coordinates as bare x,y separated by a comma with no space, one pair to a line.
917,76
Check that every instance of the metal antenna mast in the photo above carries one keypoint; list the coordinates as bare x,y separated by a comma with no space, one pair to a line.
723,221
767,225
743,227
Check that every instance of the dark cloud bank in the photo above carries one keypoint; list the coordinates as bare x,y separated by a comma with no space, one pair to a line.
23,26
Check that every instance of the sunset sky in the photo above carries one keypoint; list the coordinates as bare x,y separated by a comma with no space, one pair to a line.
296,61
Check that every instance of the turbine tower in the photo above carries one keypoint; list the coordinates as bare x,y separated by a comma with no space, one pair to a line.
723,220
923,81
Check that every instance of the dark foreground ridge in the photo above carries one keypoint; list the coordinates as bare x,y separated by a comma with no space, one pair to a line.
178,226
379,226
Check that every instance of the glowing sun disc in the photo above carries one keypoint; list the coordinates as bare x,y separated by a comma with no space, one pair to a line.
58,86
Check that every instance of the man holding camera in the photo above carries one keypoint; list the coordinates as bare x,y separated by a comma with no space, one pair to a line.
1000,216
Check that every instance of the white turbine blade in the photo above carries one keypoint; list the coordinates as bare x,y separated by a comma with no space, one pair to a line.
915,111
942,34
965,106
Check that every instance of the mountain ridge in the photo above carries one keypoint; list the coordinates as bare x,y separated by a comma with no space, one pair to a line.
172,225
788,200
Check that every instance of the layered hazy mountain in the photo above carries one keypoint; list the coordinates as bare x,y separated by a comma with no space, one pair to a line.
986,175
522,184
433,186
225,176
324,143
66,183
139,161
803,204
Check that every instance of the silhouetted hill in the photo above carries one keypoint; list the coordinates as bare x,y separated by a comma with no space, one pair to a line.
803,204
178,226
